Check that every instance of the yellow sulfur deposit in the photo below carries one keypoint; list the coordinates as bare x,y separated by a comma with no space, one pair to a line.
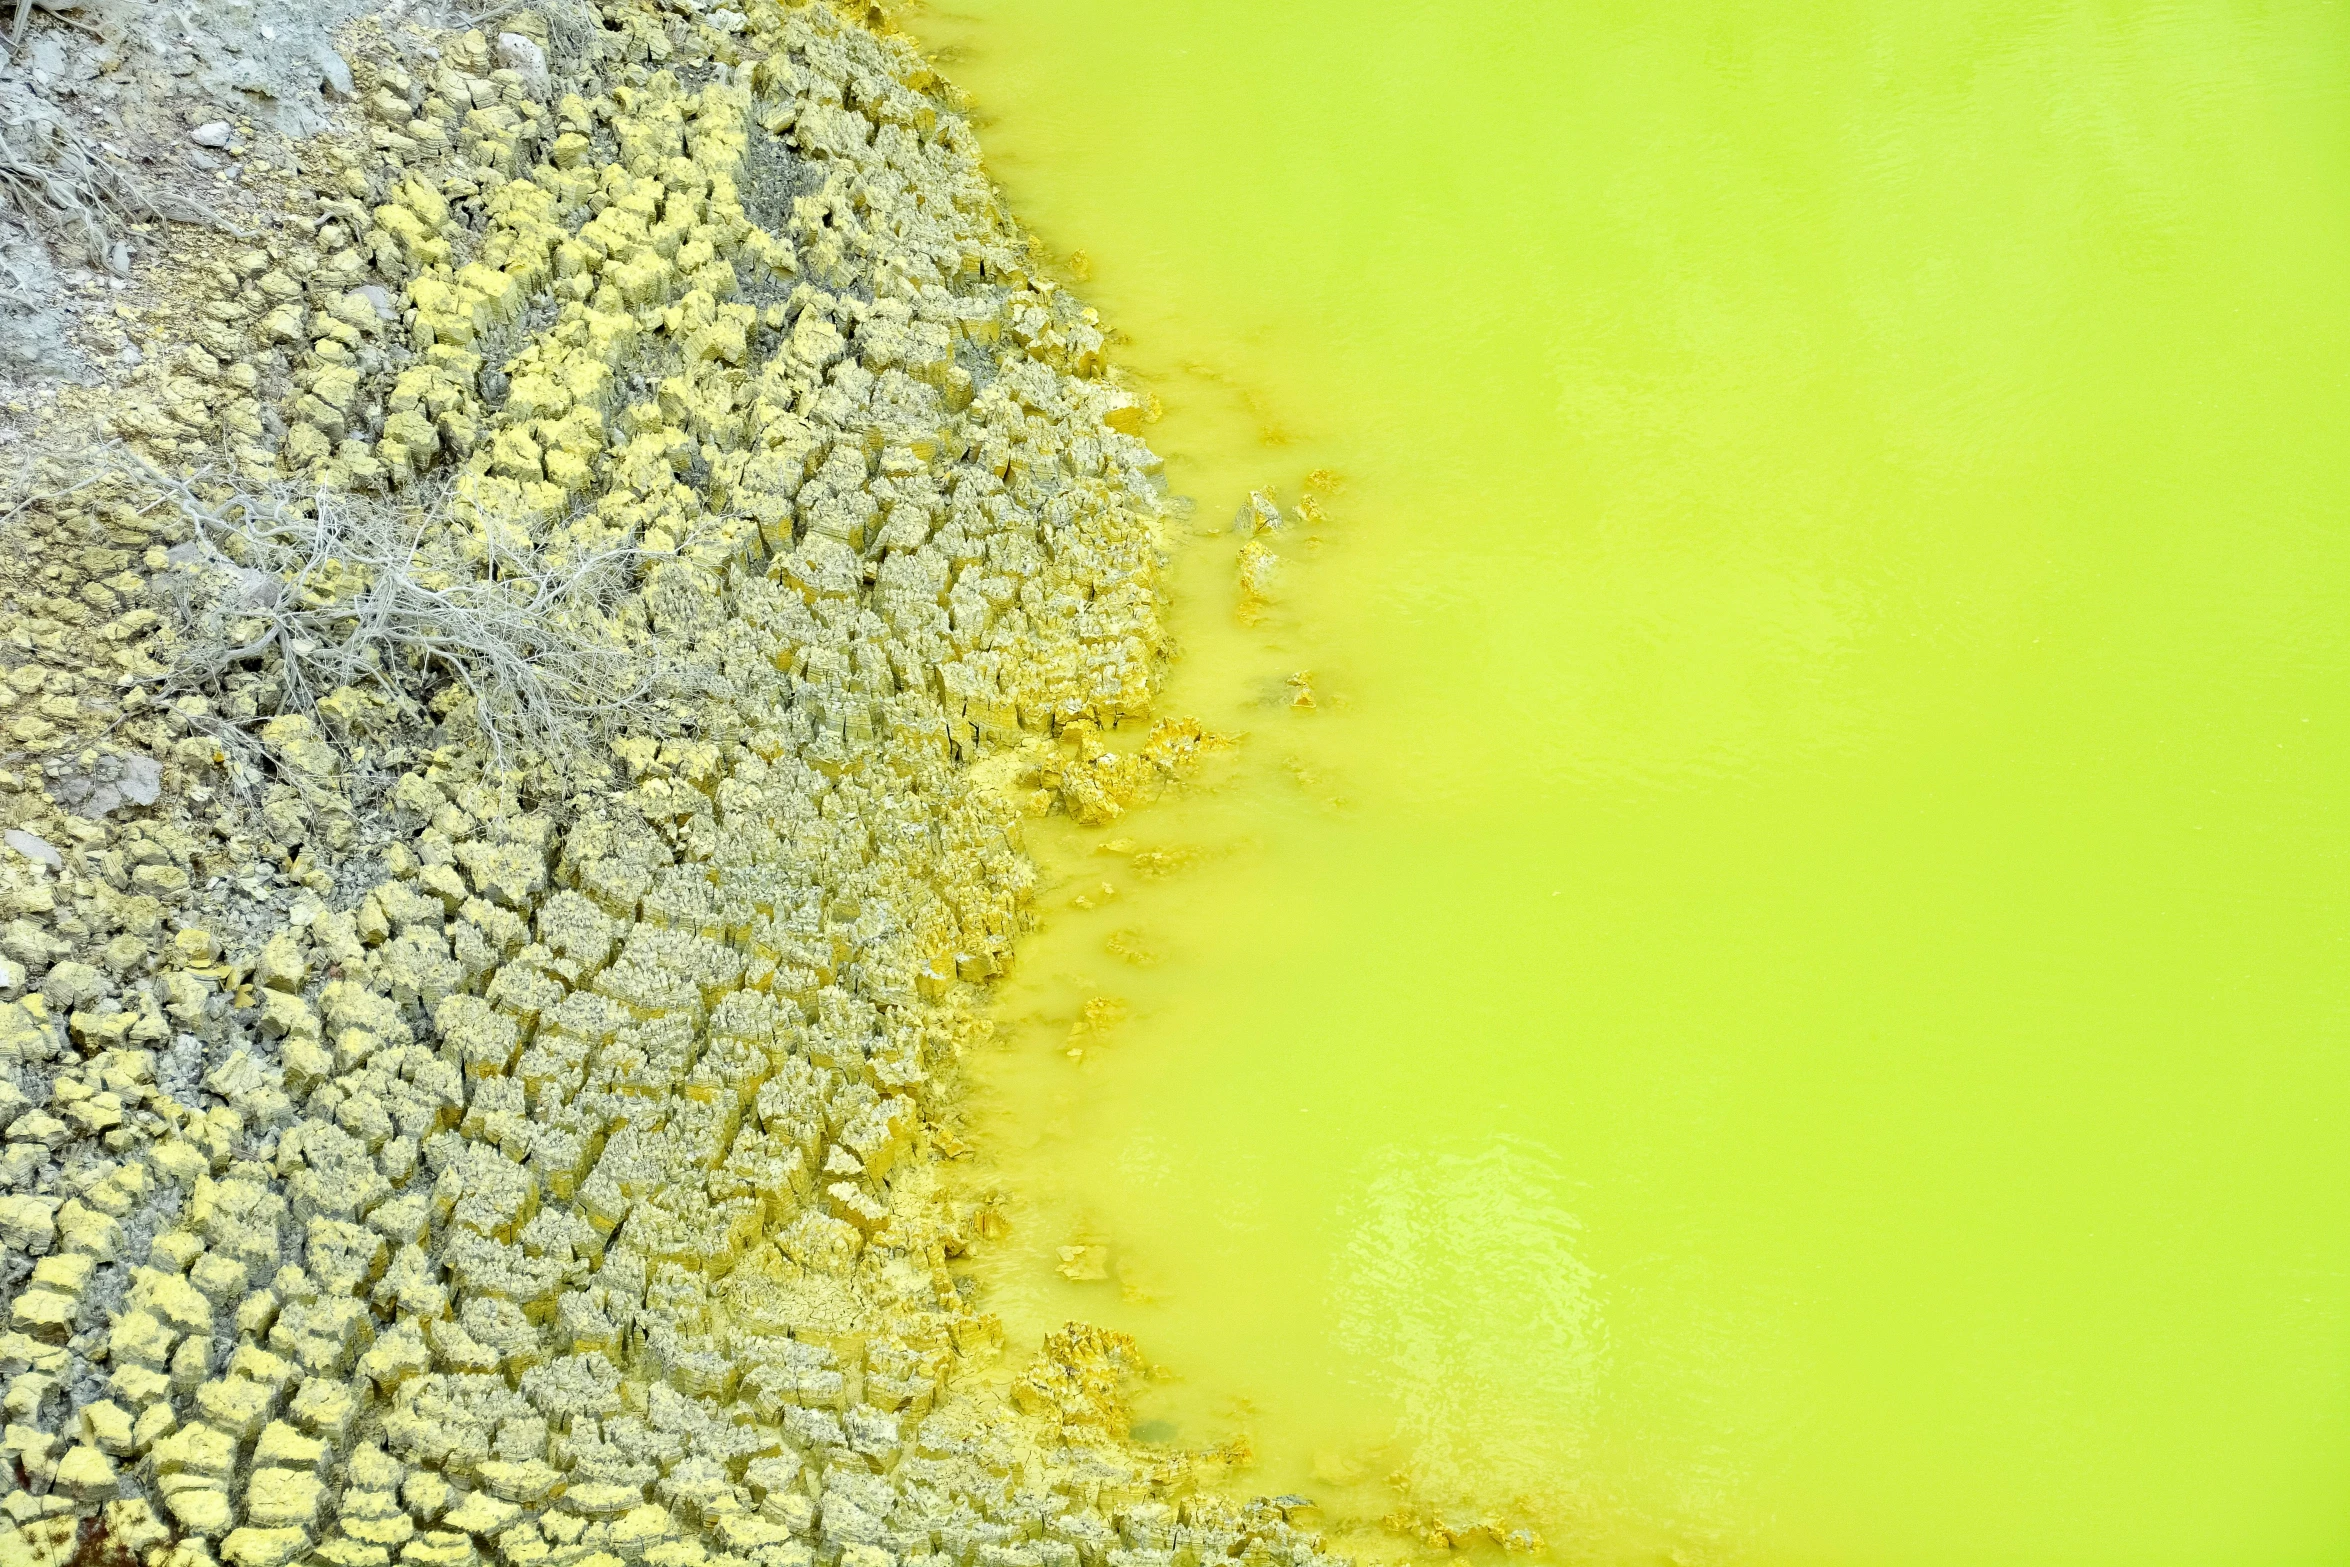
417,1151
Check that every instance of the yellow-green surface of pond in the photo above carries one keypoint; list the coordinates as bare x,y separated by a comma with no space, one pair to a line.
1785,1000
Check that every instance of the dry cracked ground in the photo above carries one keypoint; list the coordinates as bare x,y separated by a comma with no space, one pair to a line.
548,561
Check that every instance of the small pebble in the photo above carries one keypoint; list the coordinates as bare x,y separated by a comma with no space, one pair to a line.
212,133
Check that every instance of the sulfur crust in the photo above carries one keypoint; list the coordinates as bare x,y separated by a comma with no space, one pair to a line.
496,1172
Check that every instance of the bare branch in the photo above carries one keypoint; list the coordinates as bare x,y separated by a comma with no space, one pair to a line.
324,591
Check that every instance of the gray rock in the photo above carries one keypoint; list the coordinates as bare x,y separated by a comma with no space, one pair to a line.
142,780
212,133
34,342
33,847
107,786
334,72
524,58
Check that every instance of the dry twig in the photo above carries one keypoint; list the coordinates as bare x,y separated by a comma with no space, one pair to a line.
324,590
58,179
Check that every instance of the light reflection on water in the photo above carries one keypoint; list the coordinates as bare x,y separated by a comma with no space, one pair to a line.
1462,1298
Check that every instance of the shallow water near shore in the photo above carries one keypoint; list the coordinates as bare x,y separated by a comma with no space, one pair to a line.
1786,999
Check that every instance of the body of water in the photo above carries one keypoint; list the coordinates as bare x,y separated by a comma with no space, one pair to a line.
1785,1000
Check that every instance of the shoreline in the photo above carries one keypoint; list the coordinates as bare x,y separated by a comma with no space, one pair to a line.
465,1109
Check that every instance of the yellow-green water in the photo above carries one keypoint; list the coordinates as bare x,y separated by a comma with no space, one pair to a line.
1787,1002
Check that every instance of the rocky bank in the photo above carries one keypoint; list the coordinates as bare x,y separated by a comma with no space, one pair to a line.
531,631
